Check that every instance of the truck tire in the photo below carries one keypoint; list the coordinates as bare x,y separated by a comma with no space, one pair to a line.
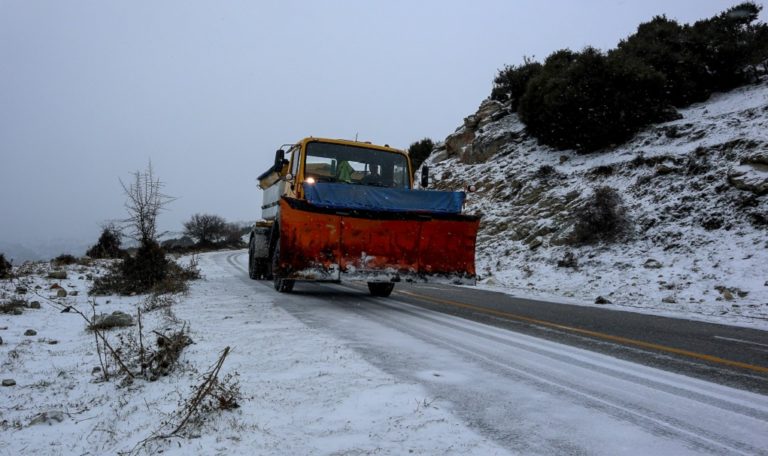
252,270
381,289
281,285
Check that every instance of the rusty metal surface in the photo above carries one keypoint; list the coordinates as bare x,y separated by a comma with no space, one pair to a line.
338,246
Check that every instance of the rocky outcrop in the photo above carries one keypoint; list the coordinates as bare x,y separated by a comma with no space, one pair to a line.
751,175
468,142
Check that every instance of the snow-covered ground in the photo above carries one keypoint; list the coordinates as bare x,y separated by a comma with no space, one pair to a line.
330,370
697,245
305,391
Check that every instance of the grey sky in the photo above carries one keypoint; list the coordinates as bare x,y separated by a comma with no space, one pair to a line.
91,90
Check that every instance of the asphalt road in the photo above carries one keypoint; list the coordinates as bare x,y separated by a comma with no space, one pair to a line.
729,355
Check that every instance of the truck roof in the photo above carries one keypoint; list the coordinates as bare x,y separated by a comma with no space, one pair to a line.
347,142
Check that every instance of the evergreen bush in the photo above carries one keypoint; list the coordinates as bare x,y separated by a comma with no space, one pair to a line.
419,151
5,267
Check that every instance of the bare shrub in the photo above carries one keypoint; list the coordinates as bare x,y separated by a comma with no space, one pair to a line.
545,171
13,306
568,261
601,217
211,395
169,347
65,259
148,271
157,301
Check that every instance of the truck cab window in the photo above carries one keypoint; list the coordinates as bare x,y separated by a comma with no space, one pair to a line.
326,162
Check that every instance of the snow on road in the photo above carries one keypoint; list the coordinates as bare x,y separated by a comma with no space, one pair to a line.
331,370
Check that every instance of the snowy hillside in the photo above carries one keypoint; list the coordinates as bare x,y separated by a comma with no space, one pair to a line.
695,191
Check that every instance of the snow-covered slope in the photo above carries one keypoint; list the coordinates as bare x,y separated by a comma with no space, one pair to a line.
695,193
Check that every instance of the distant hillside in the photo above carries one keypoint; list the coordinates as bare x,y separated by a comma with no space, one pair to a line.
20,252
695,205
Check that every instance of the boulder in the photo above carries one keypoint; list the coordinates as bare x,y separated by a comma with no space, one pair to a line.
751,177
30,332
61,293
113,320
34,305
60,275
49,417
456,143
650,263
9,382
602,300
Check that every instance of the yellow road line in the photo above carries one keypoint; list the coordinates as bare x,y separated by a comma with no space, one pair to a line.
596,334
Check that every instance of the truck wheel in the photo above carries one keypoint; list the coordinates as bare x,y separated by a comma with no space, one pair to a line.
253,271
382,289
281,285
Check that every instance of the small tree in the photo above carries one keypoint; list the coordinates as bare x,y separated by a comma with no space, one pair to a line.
108,245
5,267
145,201
207,229
419,151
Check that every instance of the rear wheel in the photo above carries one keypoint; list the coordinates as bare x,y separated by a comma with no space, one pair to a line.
281,285
252,271
382,289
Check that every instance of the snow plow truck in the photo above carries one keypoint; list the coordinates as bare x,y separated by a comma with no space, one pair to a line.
337,210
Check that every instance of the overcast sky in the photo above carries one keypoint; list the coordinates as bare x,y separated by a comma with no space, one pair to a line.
92,90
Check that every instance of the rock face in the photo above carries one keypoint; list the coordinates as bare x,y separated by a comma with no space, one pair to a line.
467,143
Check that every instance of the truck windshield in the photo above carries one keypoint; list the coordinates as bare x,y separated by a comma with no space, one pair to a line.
327,162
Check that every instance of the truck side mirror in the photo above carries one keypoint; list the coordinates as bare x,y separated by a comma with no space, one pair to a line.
279,160
424,176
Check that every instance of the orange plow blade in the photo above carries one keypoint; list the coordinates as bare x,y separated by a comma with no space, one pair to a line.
333,245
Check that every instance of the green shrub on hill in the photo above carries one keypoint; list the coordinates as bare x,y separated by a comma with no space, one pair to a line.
511,82
589,100
419,151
